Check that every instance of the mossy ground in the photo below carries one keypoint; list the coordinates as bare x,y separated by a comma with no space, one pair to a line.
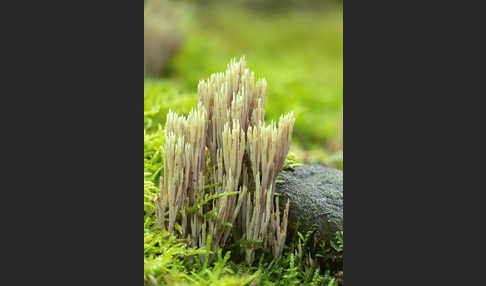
298,53
167,260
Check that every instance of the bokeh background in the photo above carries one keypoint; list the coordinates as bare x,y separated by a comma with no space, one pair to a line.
295,44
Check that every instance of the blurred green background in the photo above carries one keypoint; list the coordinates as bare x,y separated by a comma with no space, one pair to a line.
295,45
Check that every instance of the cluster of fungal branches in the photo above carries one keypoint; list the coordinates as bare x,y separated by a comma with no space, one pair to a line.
220,167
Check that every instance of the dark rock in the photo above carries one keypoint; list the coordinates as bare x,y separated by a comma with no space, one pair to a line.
316,197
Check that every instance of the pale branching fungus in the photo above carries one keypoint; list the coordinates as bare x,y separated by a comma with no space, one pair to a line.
243,161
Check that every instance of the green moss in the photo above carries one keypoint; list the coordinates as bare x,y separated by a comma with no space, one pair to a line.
159,97
167,260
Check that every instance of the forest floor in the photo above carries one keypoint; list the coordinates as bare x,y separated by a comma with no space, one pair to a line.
300,55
